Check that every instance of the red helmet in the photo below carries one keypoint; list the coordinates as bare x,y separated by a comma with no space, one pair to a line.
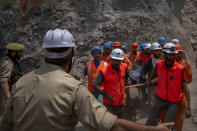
134,46
179,48
117,44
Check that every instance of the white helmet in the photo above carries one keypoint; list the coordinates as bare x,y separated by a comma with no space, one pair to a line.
58,38
148,46
175,41
117,54
169,48
155,46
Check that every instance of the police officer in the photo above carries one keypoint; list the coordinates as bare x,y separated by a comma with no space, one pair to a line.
49,99
10,71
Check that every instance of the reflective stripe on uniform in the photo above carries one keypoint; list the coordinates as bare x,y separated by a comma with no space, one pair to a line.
89,70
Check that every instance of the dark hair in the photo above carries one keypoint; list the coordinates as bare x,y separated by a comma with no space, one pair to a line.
59,61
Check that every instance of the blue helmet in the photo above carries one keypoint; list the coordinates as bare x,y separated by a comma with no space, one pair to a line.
124,48
96,48
143,46
161,40
108,44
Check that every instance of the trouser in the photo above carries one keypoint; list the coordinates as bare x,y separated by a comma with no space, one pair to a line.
151,94
116,110
98,96
2,105
180,114
158,106
142,92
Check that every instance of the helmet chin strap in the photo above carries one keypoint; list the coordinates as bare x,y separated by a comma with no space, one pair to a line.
72,62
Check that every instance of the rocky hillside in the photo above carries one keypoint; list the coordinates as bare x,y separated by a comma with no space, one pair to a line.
94,22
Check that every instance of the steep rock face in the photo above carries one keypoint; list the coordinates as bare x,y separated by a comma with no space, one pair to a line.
93,22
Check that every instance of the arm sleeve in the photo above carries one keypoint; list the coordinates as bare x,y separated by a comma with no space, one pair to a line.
99,79
6,122
85,71
127,77
91,113
184,76
188,73
5,71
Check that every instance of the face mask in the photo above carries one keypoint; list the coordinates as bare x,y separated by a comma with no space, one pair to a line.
72,64
17,57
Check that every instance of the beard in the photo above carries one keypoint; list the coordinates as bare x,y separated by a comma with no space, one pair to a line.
169,62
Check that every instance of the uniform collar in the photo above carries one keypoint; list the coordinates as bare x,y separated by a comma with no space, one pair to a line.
174,66
53,67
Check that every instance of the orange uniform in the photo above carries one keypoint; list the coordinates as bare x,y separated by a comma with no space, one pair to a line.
92,72
180,114
169,86
114,84
127,61
144,58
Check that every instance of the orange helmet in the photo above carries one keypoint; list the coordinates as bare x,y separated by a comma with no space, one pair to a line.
134,46
117,44
179,48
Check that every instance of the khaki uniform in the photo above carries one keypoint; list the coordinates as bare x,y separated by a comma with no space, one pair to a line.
48,99
6,66
9,72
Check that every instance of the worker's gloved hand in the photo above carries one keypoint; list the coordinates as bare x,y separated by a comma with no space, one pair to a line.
188,112
165,126
110,97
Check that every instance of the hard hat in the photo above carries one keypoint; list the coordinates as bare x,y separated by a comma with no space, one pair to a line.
96,48
117,44
134,46
179,48
117,54
124,48
15,46
161,40
148,46
155,46
142,46
175,41
58,38
108,44
169,48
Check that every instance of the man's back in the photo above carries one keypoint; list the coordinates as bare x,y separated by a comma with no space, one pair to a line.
43,98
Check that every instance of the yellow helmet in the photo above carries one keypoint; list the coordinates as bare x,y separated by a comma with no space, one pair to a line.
15,46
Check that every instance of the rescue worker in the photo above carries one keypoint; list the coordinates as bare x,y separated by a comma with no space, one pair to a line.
106,51
116,44
49,99
10,72
183,109
92,69
162,41
145,53
126,58
171,82
114,77
148,66
124,49
134,53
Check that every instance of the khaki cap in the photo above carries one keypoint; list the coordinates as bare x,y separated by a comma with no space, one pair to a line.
15,46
